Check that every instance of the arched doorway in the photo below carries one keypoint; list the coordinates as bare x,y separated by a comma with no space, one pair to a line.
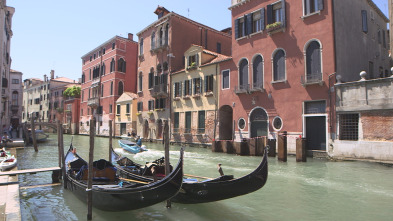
258,123
159,129
226,122
146,129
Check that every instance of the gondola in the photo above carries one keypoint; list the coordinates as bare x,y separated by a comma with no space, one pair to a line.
40,135
131,146
111,193
209,190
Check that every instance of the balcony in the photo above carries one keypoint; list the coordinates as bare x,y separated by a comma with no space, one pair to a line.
160,91
257,86
364,95
14,107
235,2
311,79
95,82
158,47
93,102
242,89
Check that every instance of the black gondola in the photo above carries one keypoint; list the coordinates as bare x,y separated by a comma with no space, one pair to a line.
113,194
220,188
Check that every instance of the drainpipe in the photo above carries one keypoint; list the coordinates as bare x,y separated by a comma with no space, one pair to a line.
215,106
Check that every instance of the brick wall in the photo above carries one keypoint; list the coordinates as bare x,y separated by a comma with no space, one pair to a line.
377,125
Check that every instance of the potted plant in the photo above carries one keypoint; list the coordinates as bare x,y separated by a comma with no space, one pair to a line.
274,26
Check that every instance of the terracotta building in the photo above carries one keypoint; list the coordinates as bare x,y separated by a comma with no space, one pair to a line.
162,45
126,114
107,71
287,55
71,112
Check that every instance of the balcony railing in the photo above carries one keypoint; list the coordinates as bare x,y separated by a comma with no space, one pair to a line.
241,89
235,2
93,102
257,86
160,91
311,79
95,82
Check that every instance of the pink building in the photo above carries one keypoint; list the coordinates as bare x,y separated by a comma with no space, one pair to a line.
162,45
107,71
285,63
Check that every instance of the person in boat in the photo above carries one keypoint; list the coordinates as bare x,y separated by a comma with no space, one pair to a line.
2,152
5,138
138,141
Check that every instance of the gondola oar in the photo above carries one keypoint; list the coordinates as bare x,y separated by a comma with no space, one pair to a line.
134,181
208,178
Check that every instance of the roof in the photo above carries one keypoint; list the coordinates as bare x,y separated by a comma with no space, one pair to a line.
127,96
105,43
379,12
63,79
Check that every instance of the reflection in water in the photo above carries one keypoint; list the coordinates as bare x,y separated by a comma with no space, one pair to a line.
316,190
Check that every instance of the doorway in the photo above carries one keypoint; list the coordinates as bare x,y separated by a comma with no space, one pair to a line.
225,117
258,123
316,133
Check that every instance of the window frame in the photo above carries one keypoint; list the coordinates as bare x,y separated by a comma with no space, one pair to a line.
285,64
229,79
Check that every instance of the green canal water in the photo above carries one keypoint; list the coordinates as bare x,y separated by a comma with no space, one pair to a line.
316,190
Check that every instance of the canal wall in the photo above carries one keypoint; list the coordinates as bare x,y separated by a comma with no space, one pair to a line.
380,151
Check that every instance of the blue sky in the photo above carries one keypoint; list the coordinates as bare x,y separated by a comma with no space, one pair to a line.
50,34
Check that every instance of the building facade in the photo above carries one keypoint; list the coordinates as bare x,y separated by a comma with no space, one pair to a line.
16,98
126,114
161,51
281,77
195,96
6,14
107,71
71,111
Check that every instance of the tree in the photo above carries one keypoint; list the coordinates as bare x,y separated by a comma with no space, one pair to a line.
72,92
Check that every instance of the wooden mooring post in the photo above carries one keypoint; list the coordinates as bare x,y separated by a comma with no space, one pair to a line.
110,141
282,146
166,147
301,150
90,174
33,134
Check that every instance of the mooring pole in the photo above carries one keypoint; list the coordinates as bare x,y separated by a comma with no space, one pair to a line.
62,174
110,141
24,134
90,174
166,146
33,134
58,142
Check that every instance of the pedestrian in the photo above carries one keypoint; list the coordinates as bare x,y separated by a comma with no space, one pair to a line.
10,131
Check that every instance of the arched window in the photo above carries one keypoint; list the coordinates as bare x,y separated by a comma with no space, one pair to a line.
121,65
166,34
151,78
141,47
140,81
257,72
111,87
103,69
15,96
153,41
279,65
243,74
161,37
83,77
112,65
120,88
313,62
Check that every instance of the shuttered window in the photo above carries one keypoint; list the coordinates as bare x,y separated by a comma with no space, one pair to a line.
176,122
201,122
312,6
225,79
187,122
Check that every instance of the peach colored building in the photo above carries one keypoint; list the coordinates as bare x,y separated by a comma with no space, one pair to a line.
287,55
107,71
161,49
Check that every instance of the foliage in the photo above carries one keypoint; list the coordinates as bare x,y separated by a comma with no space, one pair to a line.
72,91
273,25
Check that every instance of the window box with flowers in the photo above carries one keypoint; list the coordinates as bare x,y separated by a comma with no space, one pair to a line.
176,99
192,66
159,109
209,94
138,114
274,27
196,96
186,97
150,113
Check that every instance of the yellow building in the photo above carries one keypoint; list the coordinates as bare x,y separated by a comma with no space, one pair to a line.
195,96
126,114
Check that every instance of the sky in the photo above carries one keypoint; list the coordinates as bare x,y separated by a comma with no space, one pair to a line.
54,35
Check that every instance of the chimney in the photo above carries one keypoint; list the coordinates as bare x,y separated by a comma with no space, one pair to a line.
45,78
52,74
79,80
130,36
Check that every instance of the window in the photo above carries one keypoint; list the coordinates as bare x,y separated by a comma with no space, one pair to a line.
187,88
89,74
151,105
177,89
120,88
315,107
15,96
379,37
83,77
276,13
15,81
209,83
118,107
225,79
384,38
36,101
257,19
151,78
140,82
313,62
277,123
110,108
241,123
187,127
121,65
103,69
103,51
197,85
349,126
219,47
175,122
91,58
166,34
113,45
140,106
279,65
153,41
364,21
160,103
243,74
141,47
127,108
312,6
371,69
102,90
201,122
193,61
111,90
94,56
240,27
112,68
257,72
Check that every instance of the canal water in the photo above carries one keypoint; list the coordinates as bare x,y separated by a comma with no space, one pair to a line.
316,190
